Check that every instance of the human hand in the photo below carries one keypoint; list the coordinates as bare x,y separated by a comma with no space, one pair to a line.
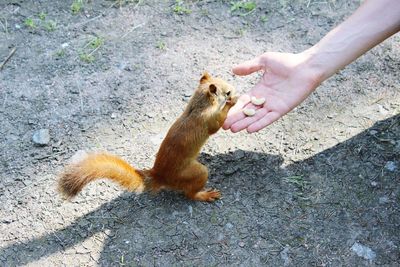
286,82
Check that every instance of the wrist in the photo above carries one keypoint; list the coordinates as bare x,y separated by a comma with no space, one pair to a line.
312,67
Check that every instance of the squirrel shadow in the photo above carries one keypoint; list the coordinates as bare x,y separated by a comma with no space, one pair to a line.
262,200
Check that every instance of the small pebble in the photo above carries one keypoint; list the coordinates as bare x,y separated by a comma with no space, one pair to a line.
239,154
284,255
391,166
229,225
41,137
363,251
128,68
113,115
383,200
150,114
187,94
190,210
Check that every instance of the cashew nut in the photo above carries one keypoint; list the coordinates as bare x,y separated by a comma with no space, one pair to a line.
249,112
257,101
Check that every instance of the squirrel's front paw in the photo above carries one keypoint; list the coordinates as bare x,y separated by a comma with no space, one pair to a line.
233,100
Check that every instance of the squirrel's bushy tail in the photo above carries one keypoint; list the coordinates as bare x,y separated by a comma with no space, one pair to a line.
96,166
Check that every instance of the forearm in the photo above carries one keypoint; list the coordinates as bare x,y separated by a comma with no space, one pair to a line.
373,22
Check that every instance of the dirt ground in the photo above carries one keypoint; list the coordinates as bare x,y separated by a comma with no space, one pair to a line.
306,191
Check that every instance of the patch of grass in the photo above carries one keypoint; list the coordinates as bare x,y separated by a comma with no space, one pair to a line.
264,18
205,12
180,9
244,7
85,57
240,31
297,180
60,53
284,3
50,25
76,6
96,42
214,218
42,16
4,25
122,261
161,45
126,2
30,23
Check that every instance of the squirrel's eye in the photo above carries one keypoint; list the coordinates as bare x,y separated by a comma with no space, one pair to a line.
228,93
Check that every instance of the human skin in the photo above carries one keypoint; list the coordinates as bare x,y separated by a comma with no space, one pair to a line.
289,79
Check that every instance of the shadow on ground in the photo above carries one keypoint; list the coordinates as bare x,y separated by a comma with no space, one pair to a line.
306,213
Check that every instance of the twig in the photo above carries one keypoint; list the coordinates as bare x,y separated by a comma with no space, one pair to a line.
4,102
97,48
376,101
138,3
232,37
7,58
19,191
59,240
89,20
4,26
51,155
133,28
80,96
103,217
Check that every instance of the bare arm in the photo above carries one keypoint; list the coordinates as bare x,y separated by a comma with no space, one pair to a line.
289,78
372,23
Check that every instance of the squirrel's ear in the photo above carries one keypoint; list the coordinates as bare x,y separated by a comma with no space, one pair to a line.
206,77
213,89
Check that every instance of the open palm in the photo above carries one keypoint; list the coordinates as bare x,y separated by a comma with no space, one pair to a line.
284,84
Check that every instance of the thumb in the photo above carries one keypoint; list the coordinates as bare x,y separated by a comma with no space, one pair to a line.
249,66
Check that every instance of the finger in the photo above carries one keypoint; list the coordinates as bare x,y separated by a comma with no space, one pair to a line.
235,113
248,67
269,118
244,123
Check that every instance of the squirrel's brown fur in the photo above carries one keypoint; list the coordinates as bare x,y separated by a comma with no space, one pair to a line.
176,166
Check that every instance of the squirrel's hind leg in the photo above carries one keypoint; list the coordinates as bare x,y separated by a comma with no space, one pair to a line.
193,179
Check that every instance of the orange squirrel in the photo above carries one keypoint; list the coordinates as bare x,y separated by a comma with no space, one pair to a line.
176,166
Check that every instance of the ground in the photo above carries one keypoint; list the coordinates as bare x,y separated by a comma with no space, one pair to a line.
113,75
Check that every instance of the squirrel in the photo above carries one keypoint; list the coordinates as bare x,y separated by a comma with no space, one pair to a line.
176,166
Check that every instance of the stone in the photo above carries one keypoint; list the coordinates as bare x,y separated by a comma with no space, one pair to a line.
383,200
363,251
391,166
284,256
373,132
41,137
228,225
